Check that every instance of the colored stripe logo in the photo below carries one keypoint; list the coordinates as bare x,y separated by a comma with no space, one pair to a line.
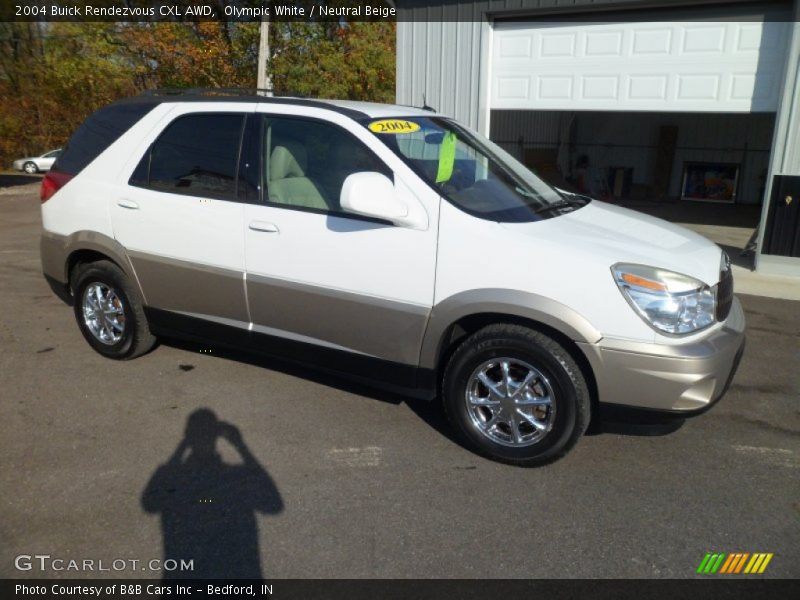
734,563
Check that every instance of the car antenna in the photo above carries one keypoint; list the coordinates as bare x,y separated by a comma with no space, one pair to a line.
425,104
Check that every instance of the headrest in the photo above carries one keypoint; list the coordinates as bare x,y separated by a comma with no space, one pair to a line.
288,160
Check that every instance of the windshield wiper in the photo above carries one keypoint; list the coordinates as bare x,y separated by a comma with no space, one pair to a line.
526,193
571,203
573,196
555,206
569,200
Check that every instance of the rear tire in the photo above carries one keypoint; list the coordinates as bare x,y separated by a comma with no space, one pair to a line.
515,395
109,311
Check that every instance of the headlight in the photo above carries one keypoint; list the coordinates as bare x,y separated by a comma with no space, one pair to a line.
669,302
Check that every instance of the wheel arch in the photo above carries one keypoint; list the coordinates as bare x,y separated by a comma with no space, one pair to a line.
61,254
82,256
454,319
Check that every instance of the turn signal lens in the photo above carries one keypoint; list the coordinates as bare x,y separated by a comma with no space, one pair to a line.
642,282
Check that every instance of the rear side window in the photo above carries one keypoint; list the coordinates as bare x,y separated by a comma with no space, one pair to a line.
195,155
97,133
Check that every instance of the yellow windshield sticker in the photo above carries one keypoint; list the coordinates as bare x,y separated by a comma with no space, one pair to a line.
394,126
447,158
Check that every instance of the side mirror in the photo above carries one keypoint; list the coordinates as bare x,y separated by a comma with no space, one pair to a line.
373,195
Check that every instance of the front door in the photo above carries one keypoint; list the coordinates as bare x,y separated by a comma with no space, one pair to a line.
320,276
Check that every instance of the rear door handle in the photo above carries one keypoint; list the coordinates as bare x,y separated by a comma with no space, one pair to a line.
129,204
264,226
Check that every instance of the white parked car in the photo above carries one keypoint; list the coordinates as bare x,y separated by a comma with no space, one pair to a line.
389,244
37,164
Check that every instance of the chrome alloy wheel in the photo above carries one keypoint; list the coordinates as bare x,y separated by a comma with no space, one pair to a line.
510,402
103,313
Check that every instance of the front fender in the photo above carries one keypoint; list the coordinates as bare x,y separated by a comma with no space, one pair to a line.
513,303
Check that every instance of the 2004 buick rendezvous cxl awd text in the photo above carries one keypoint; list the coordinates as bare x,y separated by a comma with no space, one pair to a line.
386,243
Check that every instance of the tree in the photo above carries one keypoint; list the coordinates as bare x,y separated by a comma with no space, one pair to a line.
57,75
334,60
53,75
186,54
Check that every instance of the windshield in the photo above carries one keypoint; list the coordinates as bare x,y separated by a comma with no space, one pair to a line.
473,173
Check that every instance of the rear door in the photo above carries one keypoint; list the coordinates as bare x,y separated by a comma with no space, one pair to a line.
317,274
180,217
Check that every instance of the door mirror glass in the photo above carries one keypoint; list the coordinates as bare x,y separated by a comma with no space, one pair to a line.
372,194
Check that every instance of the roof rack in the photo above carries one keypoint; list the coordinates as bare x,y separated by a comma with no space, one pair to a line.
223,91
244,92
234,94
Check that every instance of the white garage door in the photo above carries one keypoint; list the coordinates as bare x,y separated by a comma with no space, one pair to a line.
660,66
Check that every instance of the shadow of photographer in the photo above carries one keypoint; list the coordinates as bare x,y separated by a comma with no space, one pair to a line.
207,506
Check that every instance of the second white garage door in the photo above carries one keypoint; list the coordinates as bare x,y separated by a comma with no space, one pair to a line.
659,66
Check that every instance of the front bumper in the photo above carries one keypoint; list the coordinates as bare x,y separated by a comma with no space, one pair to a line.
683,379
17,165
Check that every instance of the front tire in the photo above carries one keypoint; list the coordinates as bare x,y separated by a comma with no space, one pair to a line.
515,395
109,312
30,168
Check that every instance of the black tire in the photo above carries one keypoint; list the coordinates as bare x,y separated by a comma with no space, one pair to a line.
570,392
30,168
136,338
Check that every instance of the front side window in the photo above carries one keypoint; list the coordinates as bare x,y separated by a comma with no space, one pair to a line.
307,161
196,155
470,171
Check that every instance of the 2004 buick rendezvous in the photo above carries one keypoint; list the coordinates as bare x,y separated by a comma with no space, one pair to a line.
387,243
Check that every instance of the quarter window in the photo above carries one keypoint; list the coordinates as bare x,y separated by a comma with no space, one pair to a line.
98,132
196,155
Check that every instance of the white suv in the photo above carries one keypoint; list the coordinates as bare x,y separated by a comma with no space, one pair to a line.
386,243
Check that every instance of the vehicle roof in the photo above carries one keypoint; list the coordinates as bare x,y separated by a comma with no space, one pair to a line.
378,110
352,108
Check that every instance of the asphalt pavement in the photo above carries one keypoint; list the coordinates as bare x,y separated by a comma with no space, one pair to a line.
321,478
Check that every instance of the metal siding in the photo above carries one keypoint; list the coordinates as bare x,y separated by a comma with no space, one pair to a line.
790,163
443,64
785,149
448,71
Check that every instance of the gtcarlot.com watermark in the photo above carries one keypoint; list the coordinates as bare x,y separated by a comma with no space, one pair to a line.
48,563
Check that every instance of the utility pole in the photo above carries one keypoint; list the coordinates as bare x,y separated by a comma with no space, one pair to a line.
263,80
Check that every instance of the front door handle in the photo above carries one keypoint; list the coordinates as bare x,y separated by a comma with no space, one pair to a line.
264,226
129,204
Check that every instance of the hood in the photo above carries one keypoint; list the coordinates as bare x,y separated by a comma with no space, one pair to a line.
612,234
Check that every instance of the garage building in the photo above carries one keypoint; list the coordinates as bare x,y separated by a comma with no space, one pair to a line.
637,99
